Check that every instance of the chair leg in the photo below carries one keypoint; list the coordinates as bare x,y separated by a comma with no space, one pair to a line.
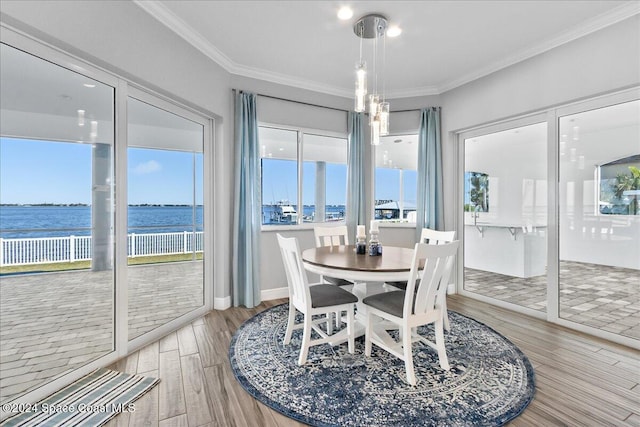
290,323
338,319
350,331
306,340
408,356
442,351
329,317
367,336
445,315
329,324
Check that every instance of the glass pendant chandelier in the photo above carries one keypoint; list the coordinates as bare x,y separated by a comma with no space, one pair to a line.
372,26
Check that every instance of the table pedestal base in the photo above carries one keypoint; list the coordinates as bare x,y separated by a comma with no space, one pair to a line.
363,290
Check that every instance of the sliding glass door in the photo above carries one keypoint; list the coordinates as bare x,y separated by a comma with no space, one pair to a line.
566,251
165,216
56,222
77,226
599,270
505,215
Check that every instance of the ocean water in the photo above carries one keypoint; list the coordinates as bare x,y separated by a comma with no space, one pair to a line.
19,222
48,221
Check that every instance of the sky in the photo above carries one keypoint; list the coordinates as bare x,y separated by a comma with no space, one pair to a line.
58,172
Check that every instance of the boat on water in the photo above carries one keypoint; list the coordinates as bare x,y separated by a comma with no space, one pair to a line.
391,210
284,213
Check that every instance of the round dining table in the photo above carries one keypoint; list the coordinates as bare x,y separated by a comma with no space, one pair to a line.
342,261
368,273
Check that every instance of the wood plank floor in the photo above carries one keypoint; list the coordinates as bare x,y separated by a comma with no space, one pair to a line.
580,380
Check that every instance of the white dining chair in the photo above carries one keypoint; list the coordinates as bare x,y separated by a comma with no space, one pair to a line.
420,304
436,237
332,236
432,237
315,299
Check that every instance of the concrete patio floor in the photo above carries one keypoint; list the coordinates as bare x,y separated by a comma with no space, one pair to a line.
52,323
603,297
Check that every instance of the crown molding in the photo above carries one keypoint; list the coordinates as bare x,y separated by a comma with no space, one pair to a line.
585,28
413,92
289,80
163,15
167,18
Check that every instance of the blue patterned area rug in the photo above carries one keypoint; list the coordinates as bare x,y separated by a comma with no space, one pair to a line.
490,382
89,402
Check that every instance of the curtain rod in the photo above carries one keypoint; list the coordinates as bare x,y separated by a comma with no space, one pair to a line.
298,102
324,106
410,110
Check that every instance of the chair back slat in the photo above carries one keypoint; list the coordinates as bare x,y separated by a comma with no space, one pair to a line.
434,278
331,236
296,274
436,237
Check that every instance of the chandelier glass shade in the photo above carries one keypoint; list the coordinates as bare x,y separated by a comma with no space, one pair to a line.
361,86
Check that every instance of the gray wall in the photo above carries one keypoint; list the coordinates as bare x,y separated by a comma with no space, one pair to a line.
121,38
601,62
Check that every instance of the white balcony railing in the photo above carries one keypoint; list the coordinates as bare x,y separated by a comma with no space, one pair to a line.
44,250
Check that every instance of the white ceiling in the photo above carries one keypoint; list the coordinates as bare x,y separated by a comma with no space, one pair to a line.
304,44
444,44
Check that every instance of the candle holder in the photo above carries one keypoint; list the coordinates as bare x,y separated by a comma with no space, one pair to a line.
361,241
375,248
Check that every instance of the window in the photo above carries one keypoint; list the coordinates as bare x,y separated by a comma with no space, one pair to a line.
620,186
396,178
319,160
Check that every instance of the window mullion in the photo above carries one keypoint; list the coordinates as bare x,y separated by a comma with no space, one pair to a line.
300,209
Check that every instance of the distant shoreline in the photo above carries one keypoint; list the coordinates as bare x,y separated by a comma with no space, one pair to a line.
25,205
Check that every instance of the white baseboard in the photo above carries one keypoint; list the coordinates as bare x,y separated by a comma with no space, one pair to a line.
269,294
451,289
266,295
222,303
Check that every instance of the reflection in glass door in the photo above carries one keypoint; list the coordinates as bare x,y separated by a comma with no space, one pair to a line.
599,193
505,215
165,216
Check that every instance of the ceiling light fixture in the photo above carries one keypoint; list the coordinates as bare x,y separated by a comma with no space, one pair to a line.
372,26
394,31
345,13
